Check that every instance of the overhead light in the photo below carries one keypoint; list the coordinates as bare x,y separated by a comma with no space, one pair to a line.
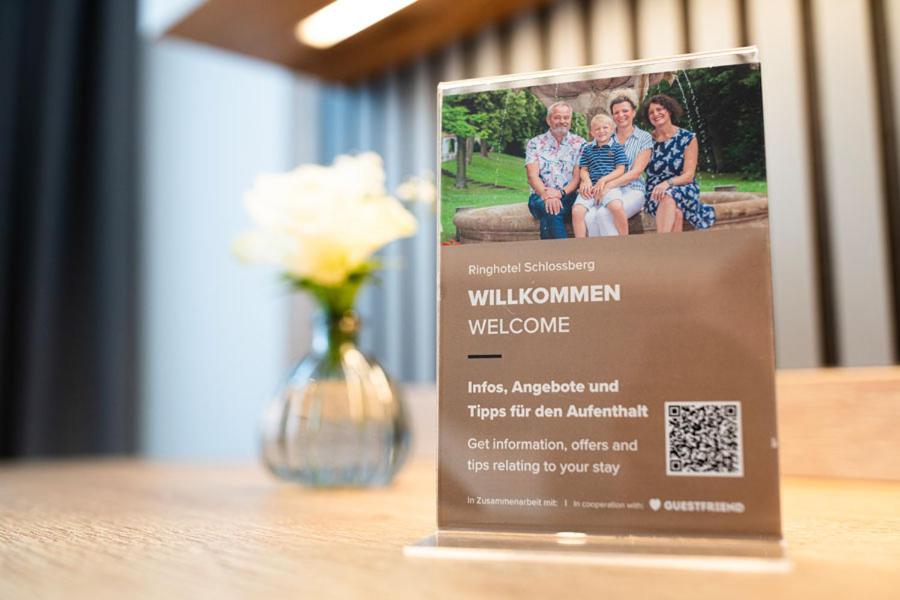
342,18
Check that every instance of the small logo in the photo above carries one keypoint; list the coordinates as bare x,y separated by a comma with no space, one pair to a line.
655,503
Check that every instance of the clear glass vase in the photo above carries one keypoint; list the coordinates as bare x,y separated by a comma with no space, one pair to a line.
338,420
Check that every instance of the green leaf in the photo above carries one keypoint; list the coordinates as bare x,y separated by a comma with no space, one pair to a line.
338,299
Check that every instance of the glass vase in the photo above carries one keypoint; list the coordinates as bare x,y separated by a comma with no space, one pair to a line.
338,420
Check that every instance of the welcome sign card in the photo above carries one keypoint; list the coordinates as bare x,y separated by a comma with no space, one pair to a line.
605,307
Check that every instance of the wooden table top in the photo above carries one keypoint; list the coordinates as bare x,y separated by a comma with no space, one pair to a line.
135,529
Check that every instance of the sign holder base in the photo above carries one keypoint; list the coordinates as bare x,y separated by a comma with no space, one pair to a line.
750,555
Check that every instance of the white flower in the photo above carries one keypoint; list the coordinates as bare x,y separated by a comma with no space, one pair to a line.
418,189
322,223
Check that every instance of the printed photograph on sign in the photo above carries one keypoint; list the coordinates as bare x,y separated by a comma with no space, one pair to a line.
665,152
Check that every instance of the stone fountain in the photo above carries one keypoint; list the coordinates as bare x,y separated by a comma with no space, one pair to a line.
590,97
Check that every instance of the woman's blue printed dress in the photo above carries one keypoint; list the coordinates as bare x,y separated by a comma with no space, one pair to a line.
667,161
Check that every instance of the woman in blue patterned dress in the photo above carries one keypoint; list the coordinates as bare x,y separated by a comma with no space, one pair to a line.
673,195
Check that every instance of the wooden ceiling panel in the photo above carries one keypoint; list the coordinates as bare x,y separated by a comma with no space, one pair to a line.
266,30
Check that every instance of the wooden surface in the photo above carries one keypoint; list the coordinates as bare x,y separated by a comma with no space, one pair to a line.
129,529
266,30
840,422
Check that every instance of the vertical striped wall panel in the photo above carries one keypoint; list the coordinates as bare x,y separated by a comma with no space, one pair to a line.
791,222
487,57
422,263
566,42
306,133
394,278
525,44
830,167
366,138
892,30
452,65
714,24
660,28
611,33
886,21
892,20
846,104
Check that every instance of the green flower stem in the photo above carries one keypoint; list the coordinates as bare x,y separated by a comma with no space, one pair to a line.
336,303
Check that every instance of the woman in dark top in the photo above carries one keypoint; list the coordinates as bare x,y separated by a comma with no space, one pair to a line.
673,195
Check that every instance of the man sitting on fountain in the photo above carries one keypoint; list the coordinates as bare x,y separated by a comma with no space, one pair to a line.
551,163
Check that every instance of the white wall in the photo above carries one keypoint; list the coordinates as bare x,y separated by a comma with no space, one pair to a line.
214,332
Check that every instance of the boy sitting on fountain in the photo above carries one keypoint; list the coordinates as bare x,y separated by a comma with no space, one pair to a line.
601,161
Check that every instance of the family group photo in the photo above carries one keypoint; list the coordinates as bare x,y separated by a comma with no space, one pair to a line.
651,153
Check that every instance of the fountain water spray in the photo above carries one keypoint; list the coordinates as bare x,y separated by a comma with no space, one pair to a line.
697,123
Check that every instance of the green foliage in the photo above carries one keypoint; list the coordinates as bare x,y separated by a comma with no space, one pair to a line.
338,299
500,118
723,105
456,120
580,126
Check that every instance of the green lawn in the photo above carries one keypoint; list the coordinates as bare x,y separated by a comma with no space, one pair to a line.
710,180
496,169
509,172
451,198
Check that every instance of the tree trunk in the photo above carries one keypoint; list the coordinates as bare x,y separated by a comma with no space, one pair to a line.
461,147
484,149
470,150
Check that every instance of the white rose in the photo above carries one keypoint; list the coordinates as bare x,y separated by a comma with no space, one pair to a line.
322,223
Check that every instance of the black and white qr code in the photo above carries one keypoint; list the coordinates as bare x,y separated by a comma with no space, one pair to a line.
704,439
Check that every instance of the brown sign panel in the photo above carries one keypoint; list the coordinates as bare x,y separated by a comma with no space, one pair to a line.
572,416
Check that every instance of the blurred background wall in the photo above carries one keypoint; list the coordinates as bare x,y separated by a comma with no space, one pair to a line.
213,337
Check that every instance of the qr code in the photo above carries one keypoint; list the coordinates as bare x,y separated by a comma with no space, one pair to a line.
704,439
